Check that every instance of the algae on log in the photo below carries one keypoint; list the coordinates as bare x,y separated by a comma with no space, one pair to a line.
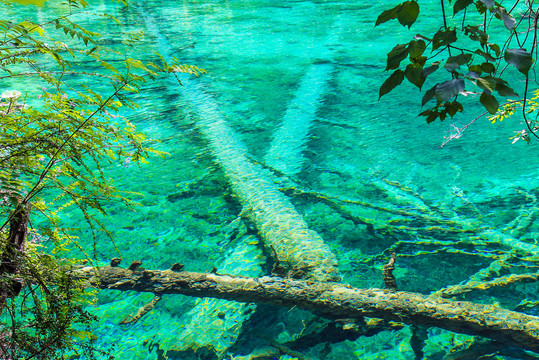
332,300
276,219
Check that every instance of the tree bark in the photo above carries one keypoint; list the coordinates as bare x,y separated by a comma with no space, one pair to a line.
9,260
333,300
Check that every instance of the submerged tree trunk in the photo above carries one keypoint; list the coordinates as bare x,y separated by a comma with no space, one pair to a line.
279,224
274,216
332,300
202,333
286,150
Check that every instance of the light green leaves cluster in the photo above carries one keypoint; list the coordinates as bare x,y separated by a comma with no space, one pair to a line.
57,134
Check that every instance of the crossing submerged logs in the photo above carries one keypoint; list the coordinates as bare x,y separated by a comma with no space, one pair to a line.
332,300
276,219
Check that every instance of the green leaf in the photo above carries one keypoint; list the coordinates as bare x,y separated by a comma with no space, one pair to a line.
429,94
416,48
454,62
414,75
444,37
419,61
505,90
476,34
461,5
431,114
448,89
520,58
453,107
486,84
488,67
429,70
487,56
391,82
387,15
396,55
495,48
489,102
407,13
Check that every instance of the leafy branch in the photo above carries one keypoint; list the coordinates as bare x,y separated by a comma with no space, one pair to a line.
474,62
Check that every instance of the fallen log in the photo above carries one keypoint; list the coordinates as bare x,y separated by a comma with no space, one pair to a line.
290,140
333,300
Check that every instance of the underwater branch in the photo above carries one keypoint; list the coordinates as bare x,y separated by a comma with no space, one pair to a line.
329,299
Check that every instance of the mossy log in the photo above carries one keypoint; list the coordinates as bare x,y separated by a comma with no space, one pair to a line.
333,300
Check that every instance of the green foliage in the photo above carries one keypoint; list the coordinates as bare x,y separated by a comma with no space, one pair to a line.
520,58
475,64
48,319
406,13
56,136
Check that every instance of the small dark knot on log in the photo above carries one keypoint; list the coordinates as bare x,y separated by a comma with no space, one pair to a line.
177,267
278,269
389,279
135,265
115,262
299,272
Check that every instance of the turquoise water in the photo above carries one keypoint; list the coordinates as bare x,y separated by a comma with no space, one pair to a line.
316,65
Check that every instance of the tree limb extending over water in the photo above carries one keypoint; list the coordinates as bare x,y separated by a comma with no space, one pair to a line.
333,300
